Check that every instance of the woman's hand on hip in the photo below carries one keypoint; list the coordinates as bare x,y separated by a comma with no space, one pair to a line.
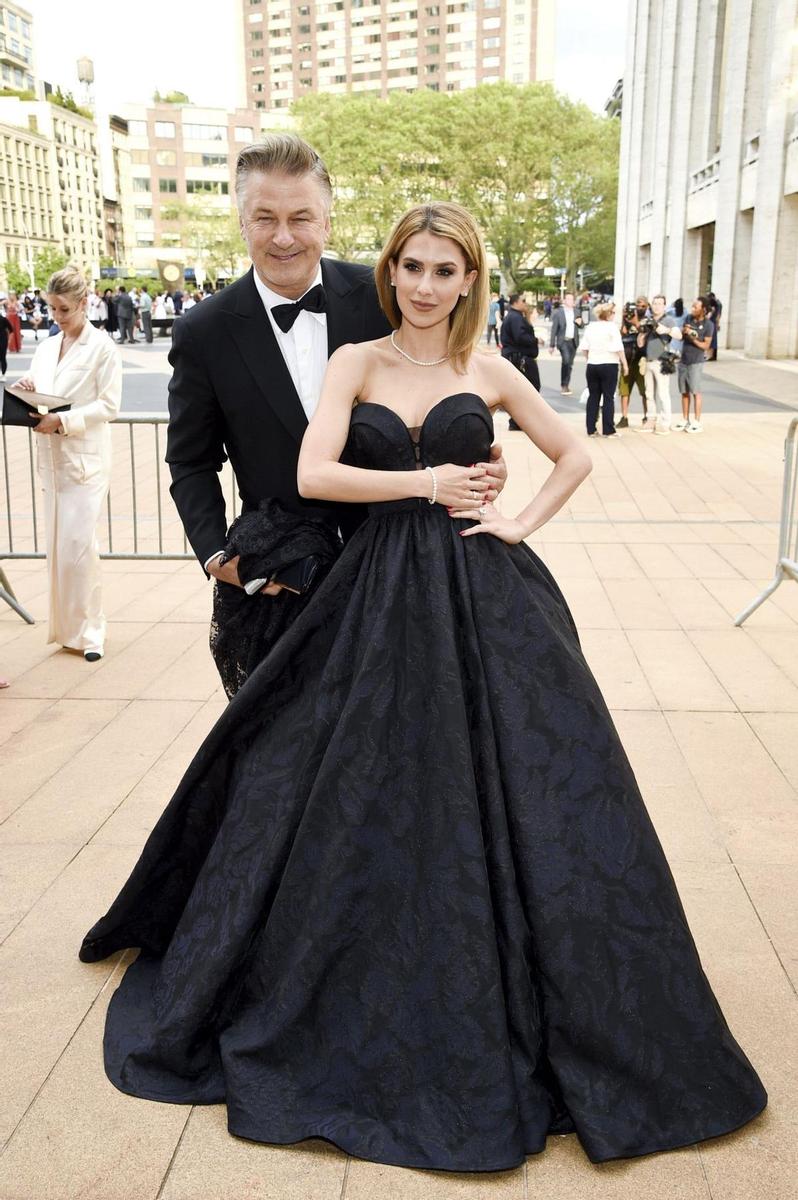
507,529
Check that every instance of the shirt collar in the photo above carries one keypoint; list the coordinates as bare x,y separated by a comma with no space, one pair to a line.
270,298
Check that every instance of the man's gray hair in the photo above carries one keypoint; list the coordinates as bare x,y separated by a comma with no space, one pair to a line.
281,152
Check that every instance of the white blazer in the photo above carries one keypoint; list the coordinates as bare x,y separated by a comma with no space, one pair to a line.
89,377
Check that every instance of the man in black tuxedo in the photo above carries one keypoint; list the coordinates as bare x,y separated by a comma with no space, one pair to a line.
249,361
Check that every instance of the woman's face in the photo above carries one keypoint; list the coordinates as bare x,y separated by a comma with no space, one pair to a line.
430,276
68,313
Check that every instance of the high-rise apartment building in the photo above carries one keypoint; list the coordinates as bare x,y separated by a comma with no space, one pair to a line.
50,187
16,48
708,185
178,153
334,46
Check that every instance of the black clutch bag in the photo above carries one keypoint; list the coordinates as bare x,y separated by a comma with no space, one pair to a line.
298,576
20,406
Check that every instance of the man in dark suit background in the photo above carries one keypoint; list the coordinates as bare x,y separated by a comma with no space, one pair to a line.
249,361
565,325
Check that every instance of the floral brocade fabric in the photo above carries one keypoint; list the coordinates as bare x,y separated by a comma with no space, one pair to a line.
407,896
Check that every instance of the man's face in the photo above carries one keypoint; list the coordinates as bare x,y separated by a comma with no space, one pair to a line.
285,223
568,300
658,306
697,310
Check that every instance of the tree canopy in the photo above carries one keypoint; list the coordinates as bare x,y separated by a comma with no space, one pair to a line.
537,171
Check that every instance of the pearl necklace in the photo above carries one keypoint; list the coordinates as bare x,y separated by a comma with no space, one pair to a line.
416,361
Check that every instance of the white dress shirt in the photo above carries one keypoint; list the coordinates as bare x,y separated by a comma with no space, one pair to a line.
304,349
569,322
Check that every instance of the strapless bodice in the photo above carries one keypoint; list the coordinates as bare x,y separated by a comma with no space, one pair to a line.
458,429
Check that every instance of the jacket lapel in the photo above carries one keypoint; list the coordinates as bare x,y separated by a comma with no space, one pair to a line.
345,313
257,344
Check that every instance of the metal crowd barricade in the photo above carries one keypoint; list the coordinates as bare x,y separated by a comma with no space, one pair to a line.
787,561
140,519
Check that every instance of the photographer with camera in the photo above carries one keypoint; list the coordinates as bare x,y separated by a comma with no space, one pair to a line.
656,333
633,313
697,333
519,343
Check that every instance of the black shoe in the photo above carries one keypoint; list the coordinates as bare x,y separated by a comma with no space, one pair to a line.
623,423
92,655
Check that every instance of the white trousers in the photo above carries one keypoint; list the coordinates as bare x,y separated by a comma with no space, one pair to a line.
74,480
659,386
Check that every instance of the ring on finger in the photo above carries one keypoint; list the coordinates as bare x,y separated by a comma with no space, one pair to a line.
483,510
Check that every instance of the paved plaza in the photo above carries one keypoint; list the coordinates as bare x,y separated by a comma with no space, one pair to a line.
656,552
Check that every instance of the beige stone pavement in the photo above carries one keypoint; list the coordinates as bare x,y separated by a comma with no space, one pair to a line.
664,543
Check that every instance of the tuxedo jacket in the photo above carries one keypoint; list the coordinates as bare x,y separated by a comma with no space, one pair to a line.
558,328
232,396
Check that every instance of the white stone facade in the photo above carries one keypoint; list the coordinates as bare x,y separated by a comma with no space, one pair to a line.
708,188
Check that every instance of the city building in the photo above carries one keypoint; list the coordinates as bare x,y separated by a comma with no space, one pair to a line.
50,182
334,46
708,188
16,48
181,156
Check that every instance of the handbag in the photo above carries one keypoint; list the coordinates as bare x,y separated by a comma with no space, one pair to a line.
19,406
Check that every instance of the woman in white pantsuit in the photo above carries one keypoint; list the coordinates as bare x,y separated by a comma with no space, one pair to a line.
74,459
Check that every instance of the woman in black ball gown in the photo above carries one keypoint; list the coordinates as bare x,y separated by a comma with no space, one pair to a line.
407,896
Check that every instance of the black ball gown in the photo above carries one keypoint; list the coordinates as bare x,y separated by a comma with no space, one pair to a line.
407,896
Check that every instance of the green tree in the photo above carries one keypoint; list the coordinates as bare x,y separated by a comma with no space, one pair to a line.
211,237
583,195
171,98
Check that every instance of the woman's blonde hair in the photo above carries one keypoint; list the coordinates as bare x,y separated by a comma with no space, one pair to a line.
448,220
69,281
604,311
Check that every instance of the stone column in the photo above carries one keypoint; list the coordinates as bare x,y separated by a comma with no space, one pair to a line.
767,311
728,222
634,99
662,134
679,176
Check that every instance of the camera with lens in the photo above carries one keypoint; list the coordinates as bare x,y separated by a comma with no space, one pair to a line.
629,310
647,325
667,362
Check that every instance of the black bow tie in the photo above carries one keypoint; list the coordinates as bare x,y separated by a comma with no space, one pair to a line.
314,301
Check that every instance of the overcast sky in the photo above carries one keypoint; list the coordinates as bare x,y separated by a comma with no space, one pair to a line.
191,45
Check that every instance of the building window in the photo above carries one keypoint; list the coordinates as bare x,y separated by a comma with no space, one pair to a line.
142,214
140,184
257,54
214,187
141,157
165,129
257,35
167,185
166,158
205,133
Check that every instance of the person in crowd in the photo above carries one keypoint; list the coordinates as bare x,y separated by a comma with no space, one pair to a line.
657,332
169,304
493,318
14,315
145,313
111,322
97,310
159,307
633,313
503,303
188,302
697,333
564,337
602,344
124,314
177,299
407,893
81,365
519,343
5,334
714,309
547,308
